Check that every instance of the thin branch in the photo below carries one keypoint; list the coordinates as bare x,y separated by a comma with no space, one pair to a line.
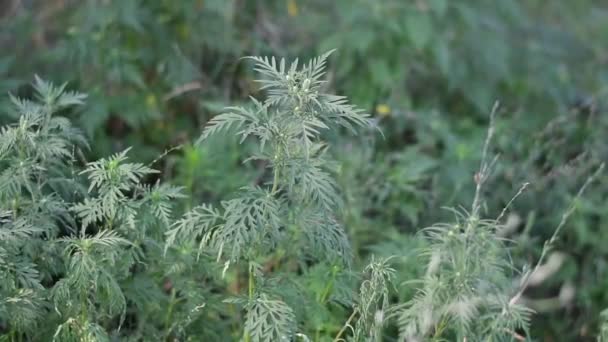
549,243
164,154
177,91
504,210
346,325
484,167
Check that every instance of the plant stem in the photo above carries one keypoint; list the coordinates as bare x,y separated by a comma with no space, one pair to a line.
439,329
251,284
83,306
549,243
328,287
251,288
275,181
484,167
169,313
352,315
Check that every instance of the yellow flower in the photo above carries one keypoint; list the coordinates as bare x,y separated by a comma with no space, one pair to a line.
383,109
183,31
151,101
292,8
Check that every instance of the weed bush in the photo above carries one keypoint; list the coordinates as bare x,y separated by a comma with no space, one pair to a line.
92,252
105,236
425,70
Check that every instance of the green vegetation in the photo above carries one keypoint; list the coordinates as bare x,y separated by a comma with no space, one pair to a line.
238,198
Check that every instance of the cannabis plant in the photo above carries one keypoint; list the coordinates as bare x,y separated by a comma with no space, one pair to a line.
295,213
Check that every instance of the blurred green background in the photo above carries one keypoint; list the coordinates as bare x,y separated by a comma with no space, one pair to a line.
428,71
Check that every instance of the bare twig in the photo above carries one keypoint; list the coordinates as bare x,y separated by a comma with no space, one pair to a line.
177,91
504,210
549,243
164,154
484,167
346,325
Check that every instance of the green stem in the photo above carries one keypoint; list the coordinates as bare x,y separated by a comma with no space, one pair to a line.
337,338
440,328
83,305
329,286
169,313
275,181
251,284
15,207
251,289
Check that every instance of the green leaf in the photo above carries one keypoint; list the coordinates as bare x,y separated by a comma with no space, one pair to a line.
439,6
442,56
419,29
381,72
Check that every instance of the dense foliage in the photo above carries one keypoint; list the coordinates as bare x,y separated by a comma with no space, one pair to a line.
297,228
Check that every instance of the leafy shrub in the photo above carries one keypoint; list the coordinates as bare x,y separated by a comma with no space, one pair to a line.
84,260
426,70
299,203
103,235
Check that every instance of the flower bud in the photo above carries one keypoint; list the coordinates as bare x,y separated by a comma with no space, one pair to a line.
306,84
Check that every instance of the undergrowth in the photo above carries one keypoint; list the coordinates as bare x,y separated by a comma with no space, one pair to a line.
100,251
